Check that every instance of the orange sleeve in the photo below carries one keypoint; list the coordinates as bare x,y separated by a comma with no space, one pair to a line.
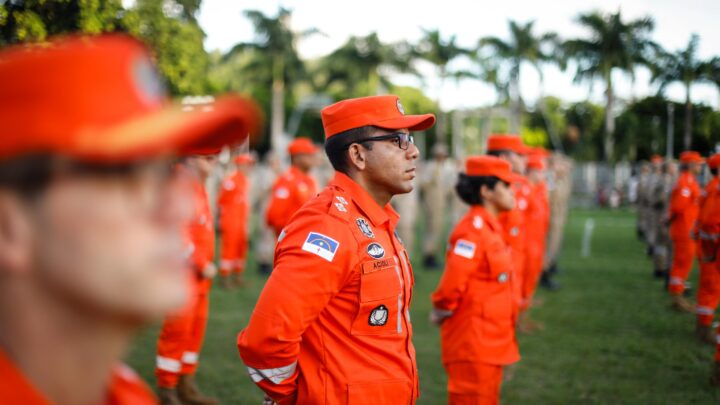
462,259
312,262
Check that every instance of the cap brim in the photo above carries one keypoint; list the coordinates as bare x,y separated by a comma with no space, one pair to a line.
227,121
412,122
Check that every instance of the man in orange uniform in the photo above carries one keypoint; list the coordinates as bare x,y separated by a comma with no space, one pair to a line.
234,208
478,342
295,187
332,324
511,149
683,212
709,289
91,217
538,215
183,333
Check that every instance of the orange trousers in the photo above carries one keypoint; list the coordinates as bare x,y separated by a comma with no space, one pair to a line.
533,269
708,294
474,383
234,250
181,339
684,252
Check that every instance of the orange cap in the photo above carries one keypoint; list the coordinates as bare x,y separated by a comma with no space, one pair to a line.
539,151
714,161
244,159
381,111
691,157
536,162
489,166
100,99
512,143
301,146
656,159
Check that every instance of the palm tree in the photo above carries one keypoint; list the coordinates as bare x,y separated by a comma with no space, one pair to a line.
275,42
440,53
362,65
613,44
685,67
522,47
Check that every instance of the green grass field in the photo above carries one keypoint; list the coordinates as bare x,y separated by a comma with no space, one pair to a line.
609,339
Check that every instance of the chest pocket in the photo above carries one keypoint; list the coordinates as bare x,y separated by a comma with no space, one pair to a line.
380,299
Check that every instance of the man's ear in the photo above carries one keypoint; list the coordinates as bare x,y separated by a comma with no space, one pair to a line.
357,156
15,234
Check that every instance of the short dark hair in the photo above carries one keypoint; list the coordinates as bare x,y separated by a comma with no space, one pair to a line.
714,171
684,167
336,146
468,187
26,175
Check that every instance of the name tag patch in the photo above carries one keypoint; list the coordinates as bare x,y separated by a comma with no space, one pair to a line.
464,248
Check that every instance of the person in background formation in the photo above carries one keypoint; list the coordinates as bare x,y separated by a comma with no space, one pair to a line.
655,216
295,187
436,181
263,177
477,343
560,190
708,293
92,214
642,203
681,216
659,198
332,324
234,207
182,333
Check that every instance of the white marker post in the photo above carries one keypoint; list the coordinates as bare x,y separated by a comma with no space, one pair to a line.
587,237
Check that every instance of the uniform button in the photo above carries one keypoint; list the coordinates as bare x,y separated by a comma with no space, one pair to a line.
502,277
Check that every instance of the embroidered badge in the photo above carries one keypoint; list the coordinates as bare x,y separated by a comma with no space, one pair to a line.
376,251
378,316
321,245
365,227
464,248
282,193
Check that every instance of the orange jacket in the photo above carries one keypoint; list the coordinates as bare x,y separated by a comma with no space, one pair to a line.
476,289
233,202
684,206
125,388
289,193
332,324
708,223
200,232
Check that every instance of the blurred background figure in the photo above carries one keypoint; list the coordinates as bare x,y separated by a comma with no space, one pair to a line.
656,200
560,189
642,201
658,226
436,183
92,214
263,177
234,207
295,187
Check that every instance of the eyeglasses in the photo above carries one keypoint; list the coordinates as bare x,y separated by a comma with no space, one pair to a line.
401,139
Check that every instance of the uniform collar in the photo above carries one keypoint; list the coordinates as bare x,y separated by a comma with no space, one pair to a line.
375,213
492,222
296,172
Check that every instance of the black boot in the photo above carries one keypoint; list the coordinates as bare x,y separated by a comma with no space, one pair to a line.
264,268
430,263
547,282
659,274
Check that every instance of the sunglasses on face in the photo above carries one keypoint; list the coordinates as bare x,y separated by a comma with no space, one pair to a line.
401,139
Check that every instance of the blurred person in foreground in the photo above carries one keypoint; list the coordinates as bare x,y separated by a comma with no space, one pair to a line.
474,303
91,245
332,324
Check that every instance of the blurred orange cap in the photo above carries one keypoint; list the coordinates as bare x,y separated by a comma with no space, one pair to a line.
489,166
691,157
101,99
301,146
513,143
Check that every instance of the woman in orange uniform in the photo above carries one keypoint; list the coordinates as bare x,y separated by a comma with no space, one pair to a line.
474,302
